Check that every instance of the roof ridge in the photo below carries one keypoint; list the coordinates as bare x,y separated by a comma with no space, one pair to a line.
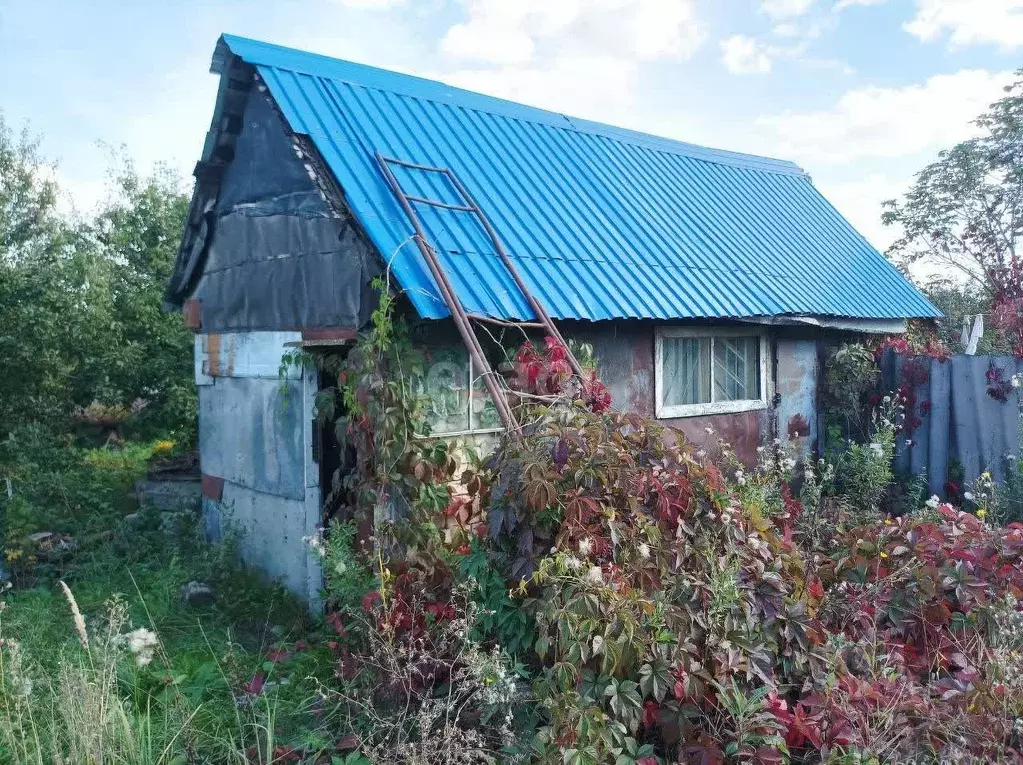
257,52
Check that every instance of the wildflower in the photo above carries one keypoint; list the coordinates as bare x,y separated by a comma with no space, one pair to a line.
163,447
595,575
909,442
709,431
142,643
884,554
981,513
740,477
315,543
644,550
701,454
933,502
968,496
573,562
887,399
585,547
76,615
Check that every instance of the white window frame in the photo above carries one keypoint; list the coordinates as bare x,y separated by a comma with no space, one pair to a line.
714,407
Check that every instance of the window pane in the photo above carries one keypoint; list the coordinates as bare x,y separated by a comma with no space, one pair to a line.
482,409
736,368
685,371
446,386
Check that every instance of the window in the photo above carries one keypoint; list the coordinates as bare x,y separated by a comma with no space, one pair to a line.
710,372
452,406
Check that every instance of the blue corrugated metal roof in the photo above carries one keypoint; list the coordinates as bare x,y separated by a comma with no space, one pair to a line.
603,223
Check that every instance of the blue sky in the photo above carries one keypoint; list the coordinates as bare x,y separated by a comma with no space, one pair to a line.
861,93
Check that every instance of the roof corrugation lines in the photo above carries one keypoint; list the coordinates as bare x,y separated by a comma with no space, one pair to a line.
602,223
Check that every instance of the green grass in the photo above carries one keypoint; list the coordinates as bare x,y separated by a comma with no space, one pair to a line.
188,702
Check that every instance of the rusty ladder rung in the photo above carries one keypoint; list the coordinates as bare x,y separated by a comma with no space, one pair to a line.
438,203
505,323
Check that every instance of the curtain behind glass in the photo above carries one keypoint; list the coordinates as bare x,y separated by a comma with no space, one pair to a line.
736,368
686,370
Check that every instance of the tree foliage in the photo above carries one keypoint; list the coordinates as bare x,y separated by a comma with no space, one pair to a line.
80,297
965,211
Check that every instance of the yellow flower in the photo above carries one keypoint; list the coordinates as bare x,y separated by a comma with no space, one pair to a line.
981,513
163,447
884,555
13,555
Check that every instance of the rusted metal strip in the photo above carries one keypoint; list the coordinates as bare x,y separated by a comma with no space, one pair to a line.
328,333
191,313
538,309
503,323
212,487
438,203
450,297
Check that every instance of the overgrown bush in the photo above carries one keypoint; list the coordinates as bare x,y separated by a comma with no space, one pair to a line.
664,608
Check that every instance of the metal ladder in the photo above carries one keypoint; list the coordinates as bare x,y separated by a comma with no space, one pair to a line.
463,319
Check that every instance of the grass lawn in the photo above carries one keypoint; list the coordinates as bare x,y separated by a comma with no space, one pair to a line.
235,681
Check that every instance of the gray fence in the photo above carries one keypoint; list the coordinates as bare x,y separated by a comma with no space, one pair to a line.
954,415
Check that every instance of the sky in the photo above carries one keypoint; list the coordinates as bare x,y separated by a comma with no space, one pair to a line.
862,94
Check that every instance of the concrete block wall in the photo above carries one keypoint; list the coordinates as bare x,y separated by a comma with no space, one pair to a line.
255,442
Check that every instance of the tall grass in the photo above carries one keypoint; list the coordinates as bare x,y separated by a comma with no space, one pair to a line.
96,705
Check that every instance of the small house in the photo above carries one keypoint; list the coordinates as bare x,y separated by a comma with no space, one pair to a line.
706,281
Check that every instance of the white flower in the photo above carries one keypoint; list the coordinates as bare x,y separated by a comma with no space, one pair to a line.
740,477
644,550
585,547
1016,380
909,442
573,562
709,431
315,543
142,643
968,496
701,454
340,567
887,399
598,644
595,575
933,502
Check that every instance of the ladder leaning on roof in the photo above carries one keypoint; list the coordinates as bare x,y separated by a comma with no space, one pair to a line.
462,318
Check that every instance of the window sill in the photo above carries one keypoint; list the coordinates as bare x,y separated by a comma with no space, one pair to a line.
703,410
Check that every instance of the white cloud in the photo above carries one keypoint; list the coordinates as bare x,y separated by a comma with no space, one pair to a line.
503,32
860,202
783,9
745,55
968,22
841,5
599,88
888,122
370,5
786,29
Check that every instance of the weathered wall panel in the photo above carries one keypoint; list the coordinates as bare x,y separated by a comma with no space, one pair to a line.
250,436
255,433
797,389
957,417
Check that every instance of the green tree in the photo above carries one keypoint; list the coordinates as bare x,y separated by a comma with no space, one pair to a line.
964,213
80,299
